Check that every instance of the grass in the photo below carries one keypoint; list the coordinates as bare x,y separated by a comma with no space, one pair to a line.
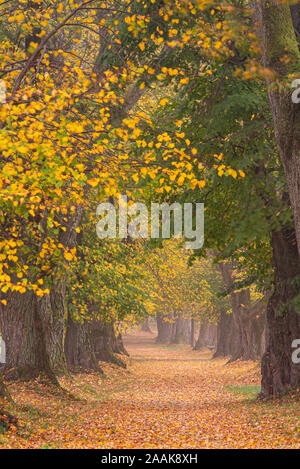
47,446
251,391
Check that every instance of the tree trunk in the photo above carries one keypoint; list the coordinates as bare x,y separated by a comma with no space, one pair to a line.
145,326
106,344
224,334
207,336
248,327
192,332
79,346
53,314
253,328
200,344
241,329
247,321
182,330
283,320
118,345
277,30
164,329
212,337
239,300
33,328
23,333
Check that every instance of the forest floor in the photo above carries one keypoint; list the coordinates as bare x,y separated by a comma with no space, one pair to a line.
168,397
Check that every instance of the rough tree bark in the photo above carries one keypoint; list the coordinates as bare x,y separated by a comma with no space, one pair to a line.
24,350
283,320
224,336
53,314
274,24
207,336
23,332
278,26
182,333
253,320
247,321
165,329
79,346
117,344
200,343
107,344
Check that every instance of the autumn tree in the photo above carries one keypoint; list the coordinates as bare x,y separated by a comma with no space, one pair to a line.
68,97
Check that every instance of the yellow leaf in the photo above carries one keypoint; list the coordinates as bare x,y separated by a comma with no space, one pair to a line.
163,101
68,256
180,180
93,182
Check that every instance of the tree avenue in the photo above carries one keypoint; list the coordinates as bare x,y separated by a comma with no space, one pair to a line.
156,102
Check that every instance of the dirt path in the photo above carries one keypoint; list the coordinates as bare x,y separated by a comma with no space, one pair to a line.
169,397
